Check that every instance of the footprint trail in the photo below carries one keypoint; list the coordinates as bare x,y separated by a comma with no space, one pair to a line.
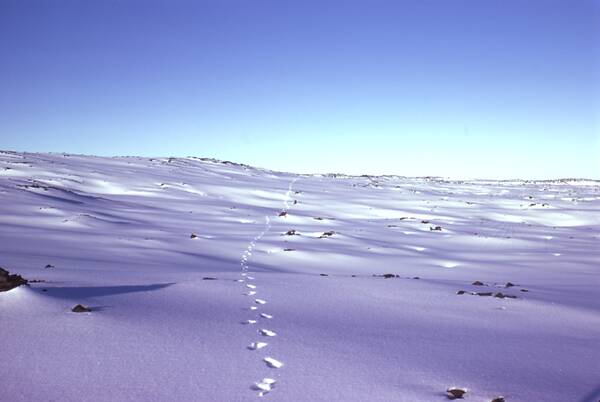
266,385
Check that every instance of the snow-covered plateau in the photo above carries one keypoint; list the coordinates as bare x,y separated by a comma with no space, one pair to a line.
214,281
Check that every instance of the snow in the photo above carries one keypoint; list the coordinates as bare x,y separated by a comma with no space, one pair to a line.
244,310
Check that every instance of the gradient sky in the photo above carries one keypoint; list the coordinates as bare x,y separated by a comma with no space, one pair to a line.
479,88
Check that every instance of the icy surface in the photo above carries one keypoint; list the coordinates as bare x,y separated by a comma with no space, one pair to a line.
192,266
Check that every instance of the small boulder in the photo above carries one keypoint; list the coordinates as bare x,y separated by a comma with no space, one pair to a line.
290,232
478,283
80,308
456,393
323,275
194,236
499,399
49,266
509,285
461,292
501,295
282,213
209,278
388,276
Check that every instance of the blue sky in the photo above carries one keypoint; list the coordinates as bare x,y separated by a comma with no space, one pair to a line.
459,88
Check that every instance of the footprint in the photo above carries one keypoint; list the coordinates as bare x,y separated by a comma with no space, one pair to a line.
250,293
260,301
266,332
266,385
252,308
257,345
249,286
250,278
248,322
273,363
268,316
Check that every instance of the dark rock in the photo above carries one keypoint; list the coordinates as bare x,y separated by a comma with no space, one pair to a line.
194,236
80,308
509,285
282,213
295,202
501,295
288,249
416,277
499,399
318,218
49,266
437,228
484,293
524,290
323,274
461,292
354,276
8,281
327,234
290,232
456,393
425,222
388,276
209,278
478,283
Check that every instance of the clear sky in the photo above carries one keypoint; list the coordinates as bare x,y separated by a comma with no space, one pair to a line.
478,88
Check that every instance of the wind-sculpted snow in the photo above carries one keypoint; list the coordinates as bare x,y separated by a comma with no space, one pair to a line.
213,281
